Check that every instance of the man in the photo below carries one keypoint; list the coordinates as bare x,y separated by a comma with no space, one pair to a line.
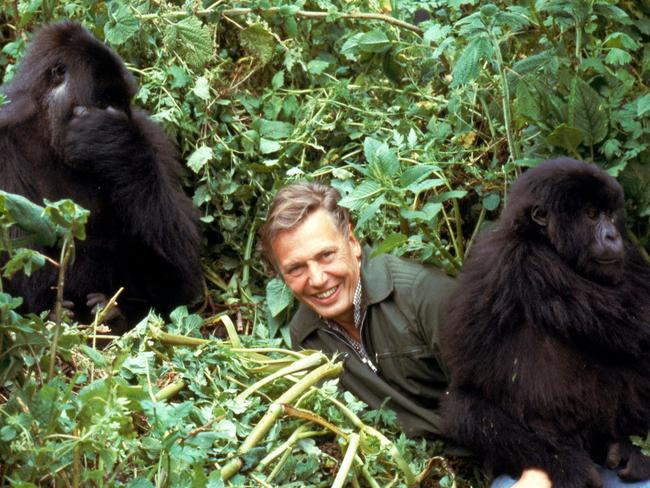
382,313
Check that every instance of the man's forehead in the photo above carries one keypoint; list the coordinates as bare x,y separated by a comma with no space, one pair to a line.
313,235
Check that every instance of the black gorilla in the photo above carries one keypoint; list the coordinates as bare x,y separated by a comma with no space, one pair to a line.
547,341
69,131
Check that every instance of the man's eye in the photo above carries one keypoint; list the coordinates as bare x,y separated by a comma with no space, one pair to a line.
328,254
295,271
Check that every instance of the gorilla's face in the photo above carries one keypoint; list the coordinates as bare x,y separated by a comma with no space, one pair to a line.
68,68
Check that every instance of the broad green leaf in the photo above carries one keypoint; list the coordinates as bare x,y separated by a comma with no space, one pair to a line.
643,105
417,173
273,129
370,211
491,201
436,33
277,81
278,296
202,88
587,112
192,40
199,158
317,66
566,137
361,195
443,197
425,185
267,146
383,161
258,41
468,65
374,41
618,57
388,244
121,25
351,46
29,217
24,259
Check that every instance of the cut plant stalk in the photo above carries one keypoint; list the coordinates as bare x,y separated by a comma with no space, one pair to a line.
346,464
308,362
327,370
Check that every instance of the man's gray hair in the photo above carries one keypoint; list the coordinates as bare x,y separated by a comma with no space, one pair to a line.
292,205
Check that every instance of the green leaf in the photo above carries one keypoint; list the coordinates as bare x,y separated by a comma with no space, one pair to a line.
26,259
121,25
382,160
388,244
199,158
587,112
267,146
192,40
417,173
259,42
618,57
277,81
202,88
643,105
29,217
566,137
436,33
370,211
361,195
317,66
374,41
273,129
443,197
94,355
278,296
491,201
468,65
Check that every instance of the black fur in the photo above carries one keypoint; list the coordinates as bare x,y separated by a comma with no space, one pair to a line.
70,131
548,349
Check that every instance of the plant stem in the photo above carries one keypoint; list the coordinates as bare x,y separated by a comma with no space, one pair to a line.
346,464
307,362
66,253
505,89
327,370
300,13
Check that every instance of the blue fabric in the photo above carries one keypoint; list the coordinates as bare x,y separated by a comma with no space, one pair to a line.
610,480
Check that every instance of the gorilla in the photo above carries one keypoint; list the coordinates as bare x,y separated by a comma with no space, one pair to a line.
70,131
548,340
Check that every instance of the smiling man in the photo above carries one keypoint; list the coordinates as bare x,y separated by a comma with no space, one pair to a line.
381,313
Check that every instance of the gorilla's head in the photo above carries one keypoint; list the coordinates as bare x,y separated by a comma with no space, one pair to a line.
66,67
577,209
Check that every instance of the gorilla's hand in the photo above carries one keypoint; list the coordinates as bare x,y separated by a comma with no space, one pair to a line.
101,141
634,465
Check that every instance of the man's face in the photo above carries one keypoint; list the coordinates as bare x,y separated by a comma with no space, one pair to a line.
320,266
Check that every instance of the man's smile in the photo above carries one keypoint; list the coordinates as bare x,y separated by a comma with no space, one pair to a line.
327,293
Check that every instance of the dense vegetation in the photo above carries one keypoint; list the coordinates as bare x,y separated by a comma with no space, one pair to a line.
422,127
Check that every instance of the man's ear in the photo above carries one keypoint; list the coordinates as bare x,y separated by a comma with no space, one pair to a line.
539,215
354,242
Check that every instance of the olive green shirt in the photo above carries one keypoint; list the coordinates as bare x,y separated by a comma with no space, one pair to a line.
400,337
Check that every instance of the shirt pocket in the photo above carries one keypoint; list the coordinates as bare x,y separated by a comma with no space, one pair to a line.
415,370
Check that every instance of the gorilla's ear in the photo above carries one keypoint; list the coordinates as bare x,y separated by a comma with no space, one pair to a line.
539,216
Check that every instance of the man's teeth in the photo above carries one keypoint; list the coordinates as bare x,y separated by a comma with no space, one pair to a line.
327,294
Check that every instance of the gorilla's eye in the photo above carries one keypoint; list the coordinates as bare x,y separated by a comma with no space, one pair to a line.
57,74
591,213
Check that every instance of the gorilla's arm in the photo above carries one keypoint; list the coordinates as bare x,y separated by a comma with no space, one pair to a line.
135,166
510,446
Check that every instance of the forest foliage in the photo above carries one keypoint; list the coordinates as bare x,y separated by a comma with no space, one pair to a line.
420,112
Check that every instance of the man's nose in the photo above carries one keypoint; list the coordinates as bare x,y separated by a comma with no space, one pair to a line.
316,275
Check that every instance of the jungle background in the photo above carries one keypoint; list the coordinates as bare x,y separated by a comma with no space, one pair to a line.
420,112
